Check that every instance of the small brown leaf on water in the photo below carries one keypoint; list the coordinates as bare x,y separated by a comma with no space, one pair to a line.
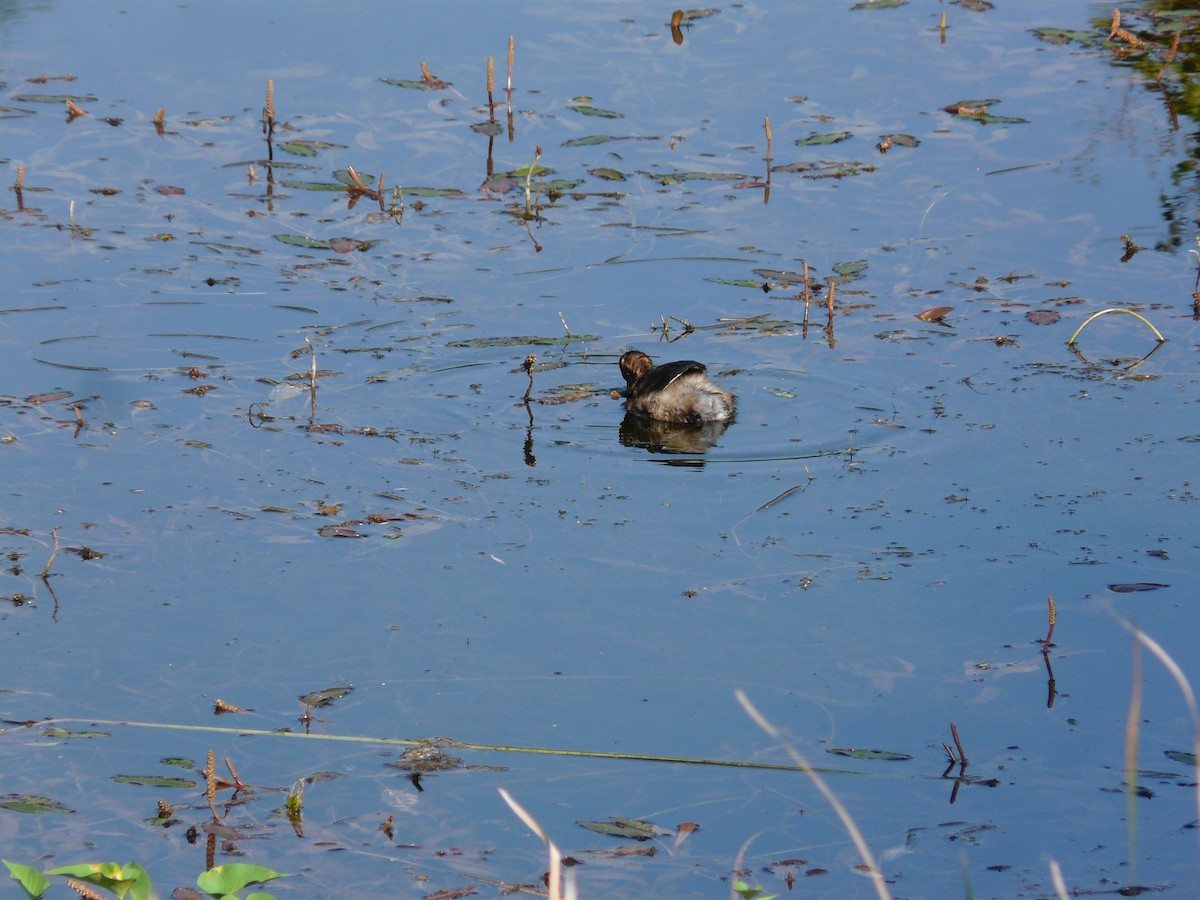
168,190
935,313
1042,316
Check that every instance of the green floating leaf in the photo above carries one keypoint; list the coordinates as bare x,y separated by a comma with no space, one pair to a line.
56,732
524,340
1188,759
868,754
325,697
343,175
308,148
416,85
900,140
593,140
879,4
607,174
849,271
312,186
1137,587
55,98
31,803
453,193
616,826
31,879
232,877
300,240
585,110
735,282
817,139
130,878
781,275
155,781
780,392
1063,36
524,172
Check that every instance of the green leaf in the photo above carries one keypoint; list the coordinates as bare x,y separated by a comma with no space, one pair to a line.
300,240
160,781
1188,759
585,110
607,174
868,754
55,98
523,340
849,271
325,697
31,879
31,803
55,732
232,877
308,148
616,826
817,139
130,878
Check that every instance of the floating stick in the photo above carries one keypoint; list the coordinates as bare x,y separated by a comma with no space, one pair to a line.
1088,321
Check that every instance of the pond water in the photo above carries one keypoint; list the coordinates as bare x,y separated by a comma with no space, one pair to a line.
866,552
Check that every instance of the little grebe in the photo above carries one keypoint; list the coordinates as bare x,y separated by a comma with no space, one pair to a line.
673,392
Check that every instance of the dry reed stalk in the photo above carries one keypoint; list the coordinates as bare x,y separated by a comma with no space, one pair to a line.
210,784
512,48
491,86
870,866
555,872
53,554
1053,616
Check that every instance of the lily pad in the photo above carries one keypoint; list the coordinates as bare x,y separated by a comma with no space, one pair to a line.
607,174
1136,587
1181,756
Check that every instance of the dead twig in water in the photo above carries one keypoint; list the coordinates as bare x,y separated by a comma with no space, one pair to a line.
564,324
46,571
